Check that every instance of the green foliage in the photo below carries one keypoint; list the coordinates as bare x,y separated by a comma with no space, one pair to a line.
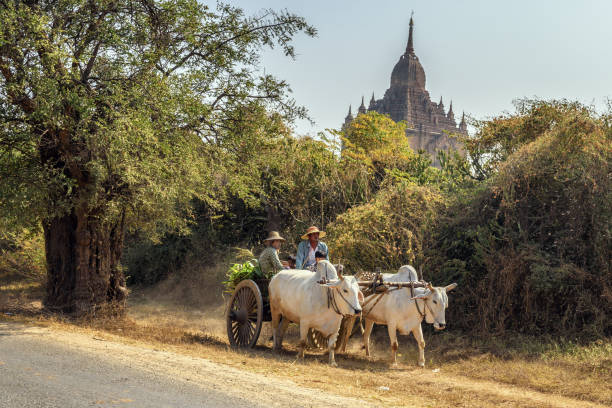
121,108
496,139
391,230
22,254
147,262
377,142
290,183
373,137
239,272
531,248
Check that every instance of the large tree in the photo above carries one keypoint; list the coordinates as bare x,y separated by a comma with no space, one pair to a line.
113,115
381,144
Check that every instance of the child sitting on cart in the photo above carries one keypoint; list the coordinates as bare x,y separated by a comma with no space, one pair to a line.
325,269
291,262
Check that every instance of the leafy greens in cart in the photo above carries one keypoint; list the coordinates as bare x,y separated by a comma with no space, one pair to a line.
239,272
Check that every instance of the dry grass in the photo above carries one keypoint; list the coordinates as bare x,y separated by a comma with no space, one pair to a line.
517,372
583,372
19,294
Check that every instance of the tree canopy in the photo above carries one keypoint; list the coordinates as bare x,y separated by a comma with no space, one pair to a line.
108,102
117,113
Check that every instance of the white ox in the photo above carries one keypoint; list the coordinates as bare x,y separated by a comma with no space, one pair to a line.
400,310
297,296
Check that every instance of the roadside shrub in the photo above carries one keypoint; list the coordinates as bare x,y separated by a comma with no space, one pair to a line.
148,262
533,249
22,255
387,232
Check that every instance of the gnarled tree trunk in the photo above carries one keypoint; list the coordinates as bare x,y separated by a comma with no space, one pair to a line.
84,277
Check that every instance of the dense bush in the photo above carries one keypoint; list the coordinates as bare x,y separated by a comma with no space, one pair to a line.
292,184
532,247
22,254
528,239
149,262
389,231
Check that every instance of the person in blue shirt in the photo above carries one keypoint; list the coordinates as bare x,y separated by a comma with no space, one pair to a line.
307,249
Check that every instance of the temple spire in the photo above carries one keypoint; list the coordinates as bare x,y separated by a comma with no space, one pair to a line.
463,125
347,120
362,108
372,102
450,114
441,104
350,115
410,46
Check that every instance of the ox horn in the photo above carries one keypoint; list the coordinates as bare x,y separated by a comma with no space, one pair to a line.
429,286
450,287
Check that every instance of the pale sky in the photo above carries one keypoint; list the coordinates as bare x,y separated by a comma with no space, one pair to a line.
482,54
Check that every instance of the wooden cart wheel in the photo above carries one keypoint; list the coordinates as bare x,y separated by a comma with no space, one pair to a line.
245,315
316,339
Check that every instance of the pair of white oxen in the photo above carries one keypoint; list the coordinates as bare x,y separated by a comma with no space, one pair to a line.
298,296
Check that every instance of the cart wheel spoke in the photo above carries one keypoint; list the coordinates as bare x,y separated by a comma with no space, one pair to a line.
245,314
250,301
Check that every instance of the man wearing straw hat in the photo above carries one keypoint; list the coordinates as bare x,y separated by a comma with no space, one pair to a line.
268,260
308,248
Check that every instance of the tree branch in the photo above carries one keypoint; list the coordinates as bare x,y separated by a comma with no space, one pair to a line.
90,63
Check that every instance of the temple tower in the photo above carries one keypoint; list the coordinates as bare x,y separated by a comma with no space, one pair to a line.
429,126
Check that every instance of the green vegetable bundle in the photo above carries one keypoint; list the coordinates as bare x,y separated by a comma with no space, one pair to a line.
239,272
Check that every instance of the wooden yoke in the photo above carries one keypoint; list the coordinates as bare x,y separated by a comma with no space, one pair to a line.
419,284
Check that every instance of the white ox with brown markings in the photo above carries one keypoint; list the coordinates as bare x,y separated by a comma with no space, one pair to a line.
403,312
298,296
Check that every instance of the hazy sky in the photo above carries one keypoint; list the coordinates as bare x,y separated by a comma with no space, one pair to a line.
482,54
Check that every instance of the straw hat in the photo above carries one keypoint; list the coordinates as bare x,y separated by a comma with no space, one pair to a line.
313,230
274,236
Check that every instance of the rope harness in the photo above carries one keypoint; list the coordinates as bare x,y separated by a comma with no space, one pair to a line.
425,308
332,303
416,303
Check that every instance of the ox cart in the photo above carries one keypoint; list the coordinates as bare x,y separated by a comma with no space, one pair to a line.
249,307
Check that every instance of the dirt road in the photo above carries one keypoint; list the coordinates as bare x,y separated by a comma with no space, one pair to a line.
40,367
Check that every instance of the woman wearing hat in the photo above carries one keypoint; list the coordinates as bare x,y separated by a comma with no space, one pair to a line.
268,260
308,248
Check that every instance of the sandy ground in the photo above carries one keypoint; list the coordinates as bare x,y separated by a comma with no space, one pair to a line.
434,386
45,368
173,352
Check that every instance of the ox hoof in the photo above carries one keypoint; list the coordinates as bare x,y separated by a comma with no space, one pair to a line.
421,364
333,364
394,366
